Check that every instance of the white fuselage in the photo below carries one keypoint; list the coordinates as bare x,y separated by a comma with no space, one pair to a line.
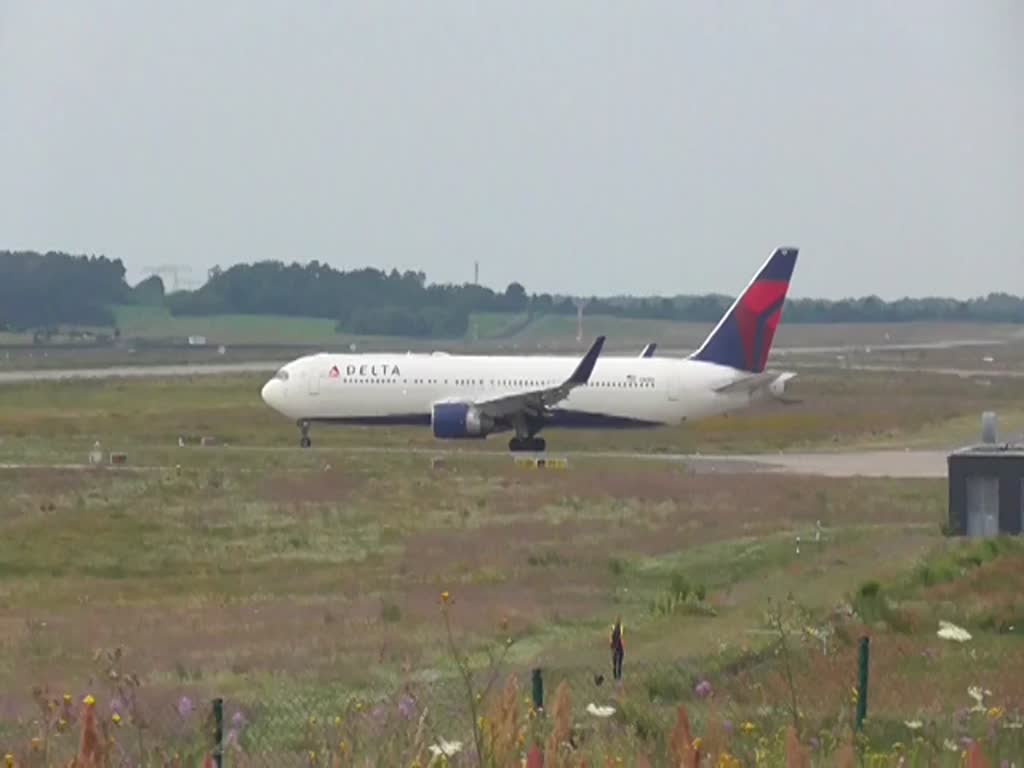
396,389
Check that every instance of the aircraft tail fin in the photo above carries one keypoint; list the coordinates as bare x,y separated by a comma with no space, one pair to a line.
743,337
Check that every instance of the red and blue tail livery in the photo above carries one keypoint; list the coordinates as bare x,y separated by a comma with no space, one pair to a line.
743,337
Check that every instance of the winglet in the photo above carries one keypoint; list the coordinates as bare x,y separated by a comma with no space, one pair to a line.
582,373
649,350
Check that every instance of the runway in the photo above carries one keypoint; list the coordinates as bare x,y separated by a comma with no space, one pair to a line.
137,371
874,464
268,367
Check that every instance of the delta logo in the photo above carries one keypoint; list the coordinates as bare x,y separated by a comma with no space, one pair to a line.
375,371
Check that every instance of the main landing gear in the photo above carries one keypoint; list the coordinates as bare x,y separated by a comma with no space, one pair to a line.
305,442
530,444
526,440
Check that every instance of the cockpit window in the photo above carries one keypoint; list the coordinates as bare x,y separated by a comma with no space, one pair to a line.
281,375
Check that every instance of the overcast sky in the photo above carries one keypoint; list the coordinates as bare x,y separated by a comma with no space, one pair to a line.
584,147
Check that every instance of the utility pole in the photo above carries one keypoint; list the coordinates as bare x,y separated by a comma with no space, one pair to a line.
174,270
580,304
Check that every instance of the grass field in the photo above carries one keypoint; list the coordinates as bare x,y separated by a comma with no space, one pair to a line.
145,322
498,330
264,573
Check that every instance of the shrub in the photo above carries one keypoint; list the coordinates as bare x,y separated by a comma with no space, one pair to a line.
390,613
870,589
680,587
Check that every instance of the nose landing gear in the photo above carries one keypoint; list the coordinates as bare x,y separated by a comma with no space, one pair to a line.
305,442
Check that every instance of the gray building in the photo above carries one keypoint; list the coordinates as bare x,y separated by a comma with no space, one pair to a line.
986,489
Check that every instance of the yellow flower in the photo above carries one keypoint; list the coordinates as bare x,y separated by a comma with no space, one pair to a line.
748,727
445,597
67,698
89,701
37,744
697,742
337,720
995,713
116,718
9,760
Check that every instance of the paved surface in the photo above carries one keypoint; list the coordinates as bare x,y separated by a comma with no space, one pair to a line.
894,463
136,371
965,372
224,369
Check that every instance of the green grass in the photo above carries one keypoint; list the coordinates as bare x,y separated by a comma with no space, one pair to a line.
257,566
146,322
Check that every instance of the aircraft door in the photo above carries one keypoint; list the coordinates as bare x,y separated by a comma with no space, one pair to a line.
673,386
313,382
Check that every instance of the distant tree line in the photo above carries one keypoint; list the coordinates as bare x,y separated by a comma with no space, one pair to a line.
44,290
372,301
364,301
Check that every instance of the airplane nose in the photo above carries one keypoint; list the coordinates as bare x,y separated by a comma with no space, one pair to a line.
271,393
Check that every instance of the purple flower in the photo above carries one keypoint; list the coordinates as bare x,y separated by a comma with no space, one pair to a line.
116,707
184,707
727,726
231,740
238,720
814,743
965,742
406,706
379,714
703,689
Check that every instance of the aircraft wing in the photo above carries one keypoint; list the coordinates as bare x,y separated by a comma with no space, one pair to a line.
535,402
771,383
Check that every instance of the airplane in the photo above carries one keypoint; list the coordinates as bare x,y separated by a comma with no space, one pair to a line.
474,396
776,388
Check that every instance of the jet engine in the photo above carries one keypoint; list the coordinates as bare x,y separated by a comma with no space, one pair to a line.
778,387
459,420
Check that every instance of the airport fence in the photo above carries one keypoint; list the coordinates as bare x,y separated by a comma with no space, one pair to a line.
331,726
322,726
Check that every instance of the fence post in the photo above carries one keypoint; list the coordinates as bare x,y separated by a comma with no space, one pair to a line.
538,690
862,682
218,732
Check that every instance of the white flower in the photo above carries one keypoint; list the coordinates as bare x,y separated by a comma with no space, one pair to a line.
597,711
446,748
949,631
1014,725
951,745
914,725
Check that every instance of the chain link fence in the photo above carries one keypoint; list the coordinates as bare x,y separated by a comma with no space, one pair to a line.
315,726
